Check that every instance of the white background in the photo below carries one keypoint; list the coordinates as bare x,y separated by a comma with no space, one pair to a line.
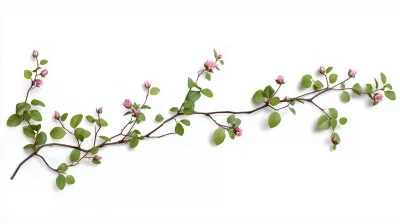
100,53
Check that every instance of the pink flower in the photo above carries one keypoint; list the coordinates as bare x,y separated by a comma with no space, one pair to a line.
38,82
352,73
147,84
127,103
286,99
321,70
35,53
280,80
56,115
136,113
210,65
44,72
219,56
378,98
238,132
98,158
335,141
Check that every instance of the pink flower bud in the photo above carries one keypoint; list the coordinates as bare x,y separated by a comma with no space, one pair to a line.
56,115
238,132
210,65
127,103
219,56
321,70
286,99
335,141
35,53
352,73
136,113
280,80
38,82
100,110
44,72
98,158
378,97
147,84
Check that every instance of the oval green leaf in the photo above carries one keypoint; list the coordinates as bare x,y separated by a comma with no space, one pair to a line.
14,120
274,119
57,133
219,136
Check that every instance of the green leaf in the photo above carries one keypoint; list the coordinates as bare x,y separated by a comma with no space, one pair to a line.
193,96
334,147
135,106
141,117
323,122
258,96
343,120
333,78
145,107
27,74
292,110
383,78
192,84
237,121
275,101
333,112
174,109
357,89
90,119
391,95
35,102
208,76
75,155
230,133
95,161
274,119
154,90
188,104
188,111
70,179
94,150
230,119
14,120
26,116
345,96
61,181
57,133
318,85
329,69
133,142
336,135
306,81
63,167
28,146
43,61
64,117
179,129
376,83
83,132
334,123
222,62
103,123
369,88
219,136
215,54
35,115
159,118
105,138
389,86
185,122
21,107
29,132
207,92
41,138
268,92
36,127
76,120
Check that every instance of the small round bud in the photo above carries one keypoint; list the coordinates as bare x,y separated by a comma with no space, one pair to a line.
286,99
100,110
335,141
44,73
136,113
378,97
35,53
37,82
238,132
219,56
97,157
147,84
352,73
280,80
56,115
321,70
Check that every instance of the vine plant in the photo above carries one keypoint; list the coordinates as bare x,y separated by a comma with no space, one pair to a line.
266,98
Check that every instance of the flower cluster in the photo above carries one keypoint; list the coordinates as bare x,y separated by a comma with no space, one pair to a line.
268,98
